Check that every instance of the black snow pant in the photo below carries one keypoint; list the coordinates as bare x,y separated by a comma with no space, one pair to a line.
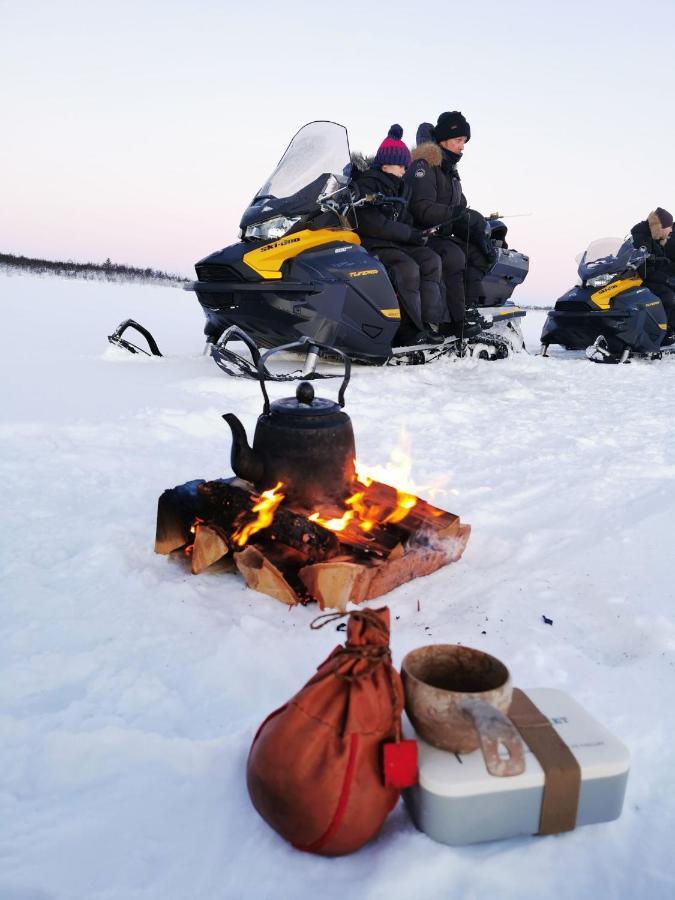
453,262
416,275
666,295
477,266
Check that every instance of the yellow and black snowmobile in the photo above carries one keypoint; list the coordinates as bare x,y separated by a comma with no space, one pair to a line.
299,277
611,315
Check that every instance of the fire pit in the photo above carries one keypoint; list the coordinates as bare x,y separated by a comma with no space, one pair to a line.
300,520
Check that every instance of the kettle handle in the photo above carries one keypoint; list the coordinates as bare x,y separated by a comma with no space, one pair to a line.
311,346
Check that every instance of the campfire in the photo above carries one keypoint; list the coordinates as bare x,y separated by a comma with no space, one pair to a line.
382,538
301,520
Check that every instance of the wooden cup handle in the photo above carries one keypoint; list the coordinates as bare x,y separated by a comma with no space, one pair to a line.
494,728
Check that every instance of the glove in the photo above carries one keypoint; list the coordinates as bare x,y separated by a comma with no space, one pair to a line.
490,251
417,239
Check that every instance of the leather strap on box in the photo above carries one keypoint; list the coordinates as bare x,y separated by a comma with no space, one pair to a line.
562,773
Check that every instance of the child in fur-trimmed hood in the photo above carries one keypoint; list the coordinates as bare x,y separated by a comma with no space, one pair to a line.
656,235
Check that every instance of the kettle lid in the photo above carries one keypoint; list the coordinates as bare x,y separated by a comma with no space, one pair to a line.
305,403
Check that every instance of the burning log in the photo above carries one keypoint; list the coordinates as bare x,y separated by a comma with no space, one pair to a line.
226,505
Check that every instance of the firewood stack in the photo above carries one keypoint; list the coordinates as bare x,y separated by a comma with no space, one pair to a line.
356,553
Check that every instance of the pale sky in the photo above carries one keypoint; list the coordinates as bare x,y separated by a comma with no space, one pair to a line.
141,130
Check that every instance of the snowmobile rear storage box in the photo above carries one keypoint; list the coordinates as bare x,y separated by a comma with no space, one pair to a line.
509,270
457,801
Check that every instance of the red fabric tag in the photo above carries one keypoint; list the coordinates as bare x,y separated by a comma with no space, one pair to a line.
399,763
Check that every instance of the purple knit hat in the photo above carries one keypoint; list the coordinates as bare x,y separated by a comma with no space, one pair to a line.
392,151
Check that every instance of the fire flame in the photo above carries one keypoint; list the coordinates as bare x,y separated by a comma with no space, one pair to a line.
265,505
193,530
333,524
361,510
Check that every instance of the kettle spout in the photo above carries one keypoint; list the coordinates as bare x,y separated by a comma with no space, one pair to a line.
245,462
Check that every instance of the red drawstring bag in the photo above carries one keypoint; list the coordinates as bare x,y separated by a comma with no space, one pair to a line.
316,766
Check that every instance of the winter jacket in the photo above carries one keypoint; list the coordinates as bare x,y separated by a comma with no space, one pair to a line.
649,234
437,196
389,225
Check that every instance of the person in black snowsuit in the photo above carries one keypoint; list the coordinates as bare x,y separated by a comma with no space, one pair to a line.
387,231
656,235
461,234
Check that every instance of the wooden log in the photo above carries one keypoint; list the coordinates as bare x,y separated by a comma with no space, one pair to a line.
209,546
177,509
461,540
171,532
261,575
296,531
335,583
226,499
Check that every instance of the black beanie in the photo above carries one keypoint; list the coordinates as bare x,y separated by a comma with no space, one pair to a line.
665,217
451,125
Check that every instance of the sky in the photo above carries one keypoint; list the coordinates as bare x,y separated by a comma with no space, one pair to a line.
140,130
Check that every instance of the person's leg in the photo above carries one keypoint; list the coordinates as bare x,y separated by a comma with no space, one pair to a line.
452,261
477,266
405,276
665,294
432,290
668,300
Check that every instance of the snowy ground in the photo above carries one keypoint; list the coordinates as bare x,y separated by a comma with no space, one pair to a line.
130,690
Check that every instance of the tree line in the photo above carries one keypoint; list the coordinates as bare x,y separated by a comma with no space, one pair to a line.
107,271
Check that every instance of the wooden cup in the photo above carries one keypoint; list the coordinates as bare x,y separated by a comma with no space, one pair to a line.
457,699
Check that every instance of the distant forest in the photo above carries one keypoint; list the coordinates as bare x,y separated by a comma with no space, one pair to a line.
107,271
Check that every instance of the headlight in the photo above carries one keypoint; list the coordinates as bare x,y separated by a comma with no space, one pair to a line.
601,280
271,229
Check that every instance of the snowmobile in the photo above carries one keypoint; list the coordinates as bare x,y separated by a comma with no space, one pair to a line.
299,278
610,314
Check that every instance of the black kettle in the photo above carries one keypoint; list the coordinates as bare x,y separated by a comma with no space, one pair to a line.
305,442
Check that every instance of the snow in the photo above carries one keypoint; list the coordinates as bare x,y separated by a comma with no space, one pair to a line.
130,690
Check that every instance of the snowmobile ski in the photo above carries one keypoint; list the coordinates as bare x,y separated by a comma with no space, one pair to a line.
117,339
233,363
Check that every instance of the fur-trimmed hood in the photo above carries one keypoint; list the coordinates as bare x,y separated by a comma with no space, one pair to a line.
430,152
658,232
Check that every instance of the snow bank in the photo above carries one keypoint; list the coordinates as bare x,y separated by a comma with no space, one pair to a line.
130,690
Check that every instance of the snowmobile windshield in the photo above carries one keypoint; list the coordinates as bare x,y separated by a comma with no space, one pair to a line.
608,256
315,164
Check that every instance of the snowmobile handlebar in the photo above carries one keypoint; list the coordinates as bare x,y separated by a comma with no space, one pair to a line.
328,204
378,200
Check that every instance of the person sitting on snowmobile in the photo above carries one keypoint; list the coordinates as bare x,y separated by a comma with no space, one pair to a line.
655,234
438,202
387,231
